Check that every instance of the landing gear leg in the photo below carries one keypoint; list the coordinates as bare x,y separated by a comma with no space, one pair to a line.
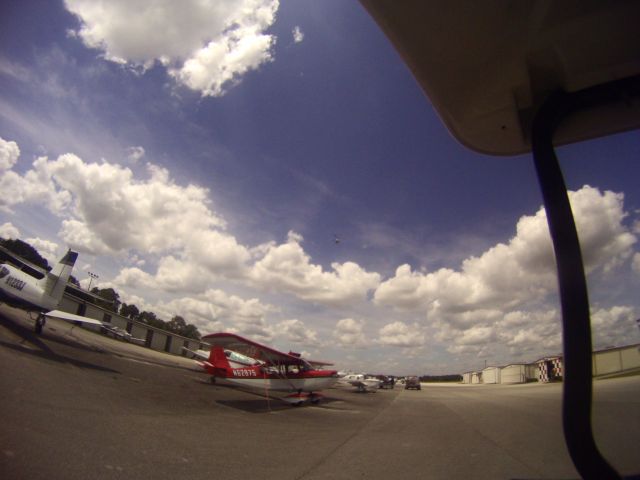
40,321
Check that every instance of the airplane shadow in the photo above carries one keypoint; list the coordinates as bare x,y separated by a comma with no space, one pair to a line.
266,404
255,406
42,350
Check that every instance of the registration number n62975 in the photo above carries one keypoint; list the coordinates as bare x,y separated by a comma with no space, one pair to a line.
244,372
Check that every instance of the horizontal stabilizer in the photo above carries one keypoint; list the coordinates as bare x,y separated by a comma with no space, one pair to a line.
70,317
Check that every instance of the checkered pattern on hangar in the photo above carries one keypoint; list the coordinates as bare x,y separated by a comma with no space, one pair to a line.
550,369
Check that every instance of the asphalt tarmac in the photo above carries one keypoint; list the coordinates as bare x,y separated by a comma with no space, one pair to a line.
78,405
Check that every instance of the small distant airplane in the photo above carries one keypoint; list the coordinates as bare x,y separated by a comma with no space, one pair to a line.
242,362
361,382
21,290
120,334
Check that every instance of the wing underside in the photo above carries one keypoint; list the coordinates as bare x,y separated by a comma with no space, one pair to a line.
249,348
70,317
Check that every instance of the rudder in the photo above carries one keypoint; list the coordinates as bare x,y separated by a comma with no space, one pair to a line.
55,281
218,359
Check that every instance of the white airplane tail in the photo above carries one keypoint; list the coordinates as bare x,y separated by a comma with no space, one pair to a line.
54,282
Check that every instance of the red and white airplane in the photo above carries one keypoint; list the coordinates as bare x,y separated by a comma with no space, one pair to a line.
19,289
241,362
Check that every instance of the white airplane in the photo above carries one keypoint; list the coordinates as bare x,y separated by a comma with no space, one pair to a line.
19,289
361,382
120,334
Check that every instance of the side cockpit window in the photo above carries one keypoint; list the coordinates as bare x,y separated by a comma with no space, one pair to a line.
4,271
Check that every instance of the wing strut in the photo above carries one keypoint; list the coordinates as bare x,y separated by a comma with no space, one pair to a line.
576,326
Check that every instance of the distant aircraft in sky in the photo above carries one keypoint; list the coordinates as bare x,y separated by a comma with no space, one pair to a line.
336,239
19,289
242,362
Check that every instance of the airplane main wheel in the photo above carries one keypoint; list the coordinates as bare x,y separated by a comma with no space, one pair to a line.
40,321
212,380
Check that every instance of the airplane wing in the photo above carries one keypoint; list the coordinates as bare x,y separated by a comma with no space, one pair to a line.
23,263
249,348
70,317
366,384
313,363
200,354
318,363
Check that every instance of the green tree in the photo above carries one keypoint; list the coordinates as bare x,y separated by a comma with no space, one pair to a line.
177,325
110,295
150,319
26,251
129,311
191,331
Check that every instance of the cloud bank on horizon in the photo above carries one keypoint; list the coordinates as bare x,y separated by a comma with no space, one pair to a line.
502,297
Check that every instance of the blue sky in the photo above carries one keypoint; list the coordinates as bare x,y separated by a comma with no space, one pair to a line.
202,162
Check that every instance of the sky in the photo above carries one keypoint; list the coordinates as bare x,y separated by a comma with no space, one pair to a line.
273,169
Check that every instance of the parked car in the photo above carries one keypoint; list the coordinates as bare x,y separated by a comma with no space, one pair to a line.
386,382
412,382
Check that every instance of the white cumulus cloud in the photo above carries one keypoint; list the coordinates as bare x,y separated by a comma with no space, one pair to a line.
611,325
518,272
399,334
298,35
288,268
296,331
349,333
135,153
9,153
500,298
206,45
216,310
46,248
104,209
8,230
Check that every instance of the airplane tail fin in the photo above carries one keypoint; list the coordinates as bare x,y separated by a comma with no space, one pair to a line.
218,362
54,282
218,359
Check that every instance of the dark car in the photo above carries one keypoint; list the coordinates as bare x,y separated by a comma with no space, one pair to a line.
412,382
386,382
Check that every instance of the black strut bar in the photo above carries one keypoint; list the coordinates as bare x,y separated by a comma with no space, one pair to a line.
576,326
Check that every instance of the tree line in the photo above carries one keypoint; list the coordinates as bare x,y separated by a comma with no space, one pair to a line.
177,324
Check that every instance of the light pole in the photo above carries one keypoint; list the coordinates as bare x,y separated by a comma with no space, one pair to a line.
92,275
